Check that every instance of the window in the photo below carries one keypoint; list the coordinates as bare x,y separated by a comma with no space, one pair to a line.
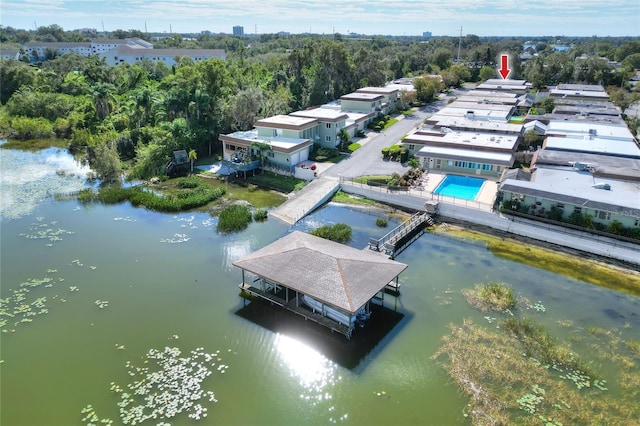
327,138
328,125
560,206
604,215
412,147
577,209
270,154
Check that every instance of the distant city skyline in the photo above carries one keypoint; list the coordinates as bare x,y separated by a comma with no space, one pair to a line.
581,18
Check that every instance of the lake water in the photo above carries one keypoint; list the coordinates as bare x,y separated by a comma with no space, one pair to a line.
168,281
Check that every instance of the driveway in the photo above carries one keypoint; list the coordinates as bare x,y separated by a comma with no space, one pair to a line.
367,160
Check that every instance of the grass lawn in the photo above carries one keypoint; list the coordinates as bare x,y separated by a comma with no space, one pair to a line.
377,178
277,182
390,123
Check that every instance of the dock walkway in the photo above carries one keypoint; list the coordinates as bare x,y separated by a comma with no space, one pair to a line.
398,236
303,202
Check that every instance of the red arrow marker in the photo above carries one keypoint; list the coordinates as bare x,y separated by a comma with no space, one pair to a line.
504,69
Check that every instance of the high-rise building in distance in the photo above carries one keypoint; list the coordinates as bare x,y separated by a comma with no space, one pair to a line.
238,30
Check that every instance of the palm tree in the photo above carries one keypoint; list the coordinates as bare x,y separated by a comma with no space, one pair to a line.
344,137
262,147
193,156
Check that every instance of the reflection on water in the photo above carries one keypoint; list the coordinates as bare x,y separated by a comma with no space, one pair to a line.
316,375
30,177
313,370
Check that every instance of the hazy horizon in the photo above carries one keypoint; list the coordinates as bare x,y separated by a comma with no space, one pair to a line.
484,18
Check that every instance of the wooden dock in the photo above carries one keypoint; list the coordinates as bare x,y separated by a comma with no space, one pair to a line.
392,243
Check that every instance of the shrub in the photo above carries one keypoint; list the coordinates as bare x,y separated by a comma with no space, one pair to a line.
137,196
491,297
340,232
233,218
352,147
382,223
260,215
188,182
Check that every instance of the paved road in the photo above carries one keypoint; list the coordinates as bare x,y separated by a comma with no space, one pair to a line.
367,160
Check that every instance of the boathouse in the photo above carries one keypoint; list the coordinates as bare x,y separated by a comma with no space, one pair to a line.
321,280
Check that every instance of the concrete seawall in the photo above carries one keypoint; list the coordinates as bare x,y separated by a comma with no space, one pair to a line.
558,235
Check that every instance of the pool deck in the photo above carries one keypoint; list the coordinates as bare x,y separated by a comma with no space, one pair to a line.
485,197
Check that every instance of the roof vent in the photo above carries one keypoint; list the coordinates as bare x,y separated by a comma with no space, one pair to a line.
602,185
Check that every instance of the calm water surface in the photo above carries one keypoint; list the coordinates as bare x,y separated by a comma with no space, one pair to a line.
169,281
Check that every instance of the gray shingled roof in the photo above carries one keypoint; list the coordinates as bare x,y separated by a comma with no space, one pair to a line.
336,274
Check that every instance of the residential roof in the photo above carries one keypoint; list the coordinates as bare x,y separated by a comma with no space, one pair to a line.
55,44
463,123
577,128
601,165
322,114
278,143
359,96
587,94
466,140
577,188
489,157
479,93
595,145
386,90
287,122
479,114
333,273
478,104
581,87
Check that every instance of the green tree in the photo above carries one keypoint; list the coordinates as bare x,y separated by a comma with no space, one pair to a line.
344,137
193,156
14,75
106,161
487,72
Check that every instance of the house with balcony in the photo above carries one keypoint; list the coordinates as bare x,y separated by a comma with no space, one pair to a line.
330,122
369,103
286,141
389,96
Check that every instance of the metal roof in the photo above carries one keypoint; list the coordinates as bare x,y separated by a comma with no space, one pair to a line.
333,273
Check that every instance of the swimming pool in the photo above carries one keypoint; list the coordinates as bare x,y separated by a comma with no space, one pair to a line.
459,187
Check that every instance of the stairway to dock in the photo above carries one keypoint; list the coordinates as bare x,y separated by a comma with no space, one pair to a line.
402,235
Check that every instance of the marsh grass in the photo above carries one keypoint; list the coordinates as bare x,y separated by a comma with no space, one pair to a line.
183,200
491,297
260,215
558,262
233,218
507,387
35,144
340,232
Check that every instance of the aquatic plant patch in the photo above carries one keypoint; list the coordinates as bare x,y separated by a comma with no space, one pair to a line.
233,218
339,232
491,297
507,387
41,230
167,384
187,199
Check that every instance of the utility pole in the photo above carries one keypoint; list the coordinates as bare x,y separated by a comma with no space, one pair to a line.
459,43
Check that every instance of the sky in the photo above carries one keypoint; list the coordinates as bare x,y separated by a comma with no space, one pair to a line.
385,17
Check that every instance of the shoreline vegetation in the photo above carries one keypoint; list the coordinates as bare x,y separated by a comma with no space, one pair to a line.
518,373
560,260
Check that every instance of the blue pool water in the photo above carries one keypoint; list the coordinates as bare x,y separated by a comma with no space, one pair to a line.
459,187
